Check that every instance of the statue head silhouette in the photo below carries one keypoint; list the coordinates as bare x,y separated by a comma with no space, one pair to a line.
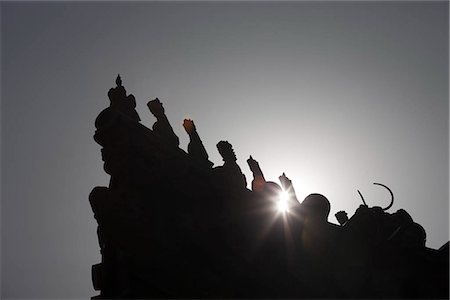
316,207
272,190
226,151
155,107
415,236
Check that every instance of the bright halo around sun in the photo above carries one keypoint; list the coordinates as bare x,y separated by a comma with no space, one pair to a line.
282,204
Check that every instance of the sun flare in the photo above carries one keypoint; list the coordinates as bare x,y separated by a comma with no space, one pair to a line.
282,203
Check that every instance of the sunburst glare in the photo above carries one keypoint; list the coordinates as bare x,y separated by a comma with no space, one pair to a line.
282,203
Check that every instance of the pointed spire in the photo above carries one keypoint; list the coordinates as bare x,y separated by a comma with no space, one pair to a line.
118,80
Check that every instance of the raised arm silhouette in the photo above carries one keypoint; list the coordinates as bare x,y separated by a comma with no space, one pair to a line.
258,182
195,146
162,125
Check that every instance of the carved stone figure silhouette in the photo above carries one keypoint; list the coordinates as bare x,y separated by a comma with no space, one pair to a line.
162,125
318,235
384,254
121,102
230,172
195,146
405,232
268,189
286,183
319,240
341,217
258,181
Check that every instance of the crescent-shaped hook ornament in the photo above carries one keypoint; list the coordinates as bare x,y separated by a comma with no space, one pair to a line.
390,192
386,187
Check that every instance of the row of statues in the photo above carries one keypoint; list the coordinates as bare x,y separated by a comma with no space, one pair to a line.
229,171
229,174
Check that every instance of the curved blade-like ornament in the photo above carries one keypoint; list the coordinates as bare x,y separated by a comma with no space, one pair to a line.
362,198
390,192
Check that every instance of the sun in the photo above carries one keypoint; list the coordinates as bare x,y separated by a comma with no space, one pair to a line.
282,203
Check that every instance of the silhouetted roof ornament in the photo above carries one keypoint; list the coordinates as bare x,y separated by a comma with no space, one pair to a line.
118,80
226,151
287,185
316,206
390,192
341,217
230,172
121,102
258,181
195,146
162,125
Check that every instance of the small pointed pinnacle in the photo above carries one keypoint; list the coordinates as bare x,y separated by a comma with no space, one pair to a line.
118,80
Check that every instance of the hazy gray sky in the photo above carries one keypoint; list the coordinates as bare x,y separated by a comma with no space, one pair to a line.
337,95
